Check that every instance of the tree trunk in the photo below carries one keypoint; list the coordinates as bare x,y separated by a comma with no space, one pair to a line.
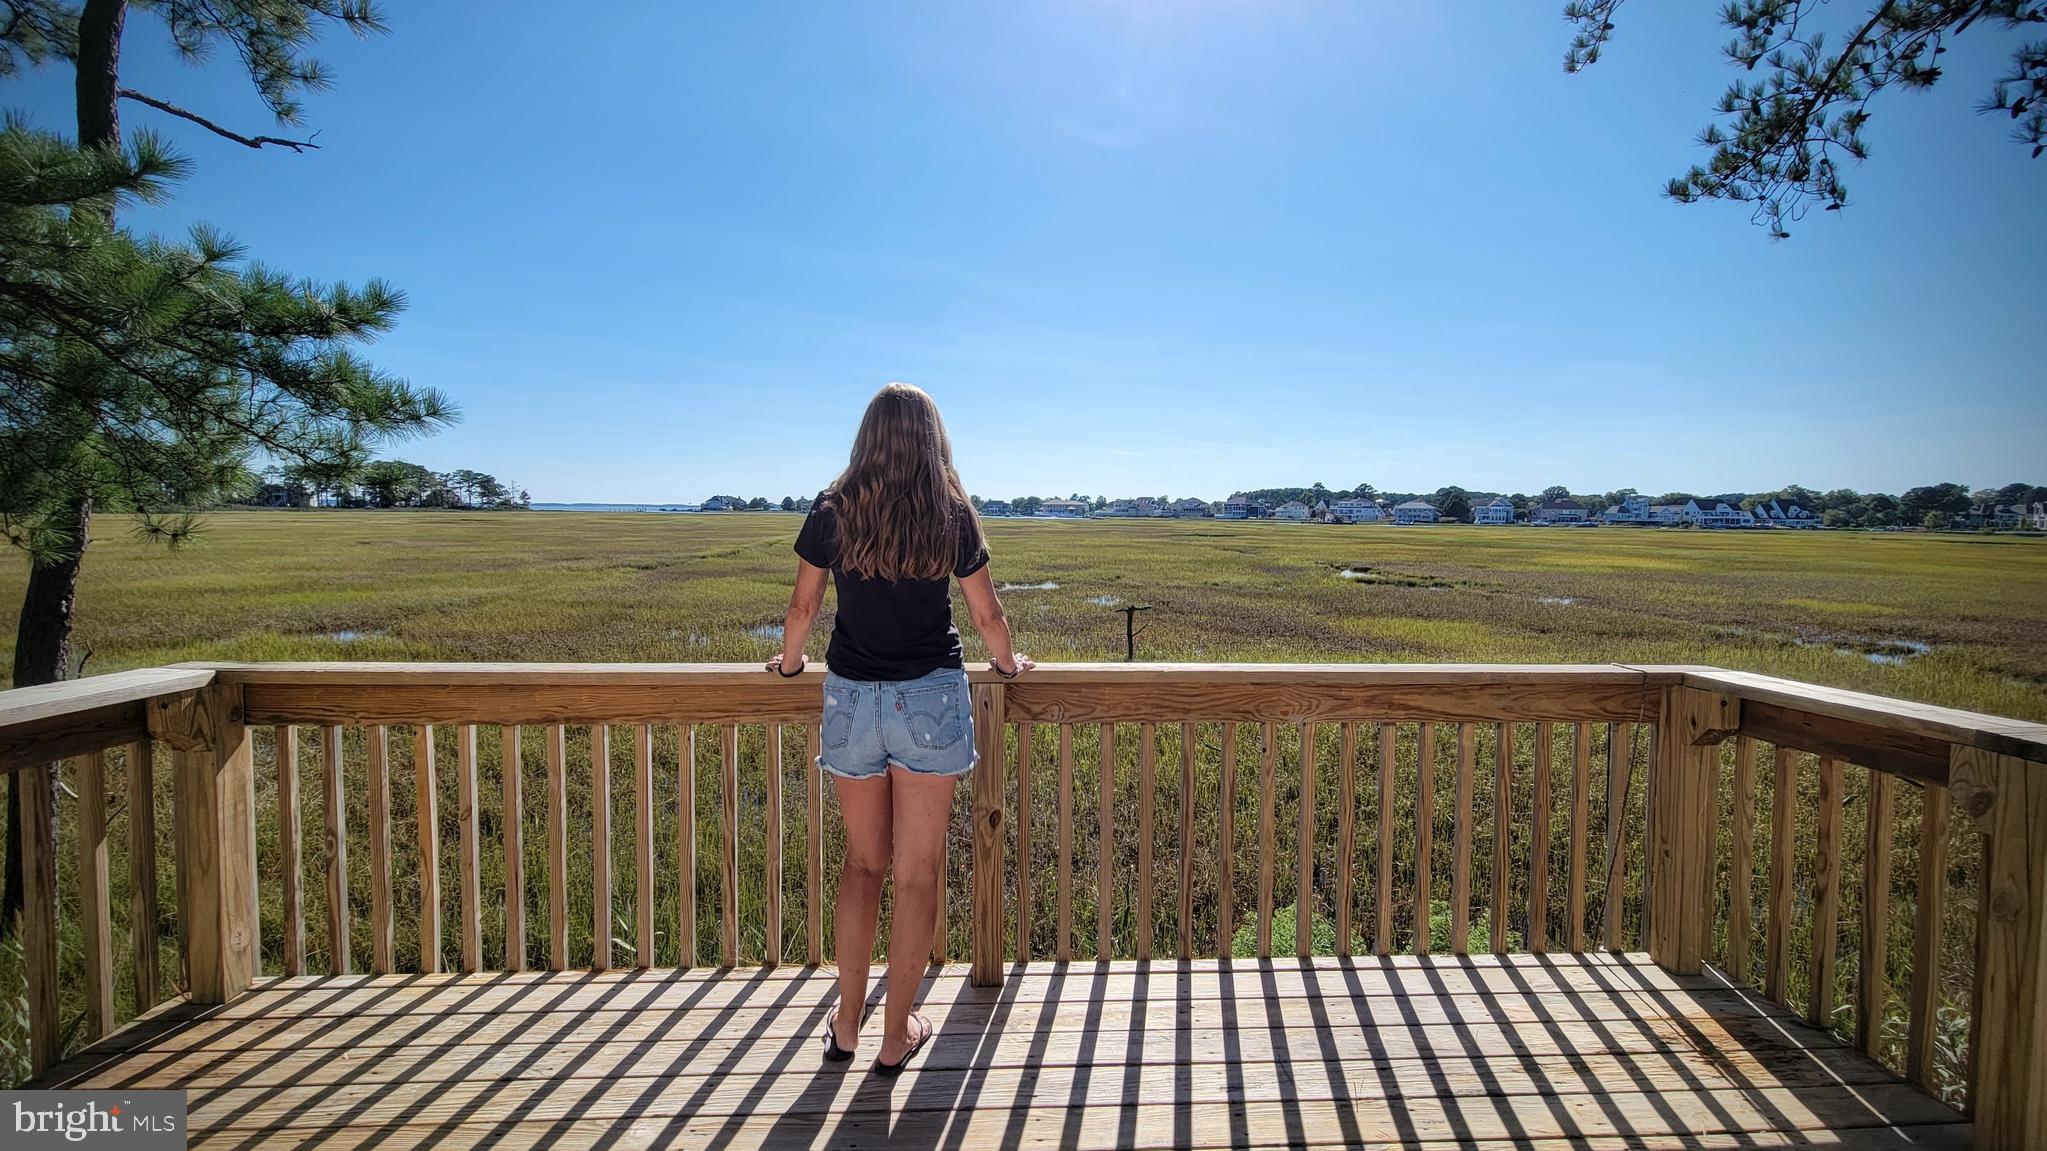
42,642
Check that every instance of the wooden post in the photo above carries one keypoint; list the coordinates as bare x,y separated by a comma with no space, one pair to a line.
989,784
1681,822
2007,798
291,865
469,852
337,852
142,871
643,847
383,941
38,863
510,777
427,800
94,899
217,835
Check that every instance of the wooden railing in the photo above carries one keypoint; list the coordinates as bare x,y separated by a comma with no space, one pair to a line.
1120,811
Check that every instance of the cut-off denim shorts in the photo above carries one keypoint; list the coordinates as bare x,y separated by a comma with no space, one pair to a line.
924,725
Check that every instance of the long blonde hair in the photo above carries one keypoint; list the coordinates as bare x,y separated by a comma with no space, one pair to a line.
900,504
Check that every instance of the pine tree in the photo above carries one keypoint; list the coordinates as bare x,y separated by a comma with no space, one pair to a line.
146,375
1781,140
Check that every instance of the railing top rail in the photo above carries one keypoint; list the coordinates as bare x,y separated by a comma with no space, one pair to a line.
25,705
607,674
1909,720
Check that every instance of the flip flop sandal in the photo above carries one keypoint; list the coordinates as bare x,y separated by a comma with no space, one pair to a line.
833,1053
891,1070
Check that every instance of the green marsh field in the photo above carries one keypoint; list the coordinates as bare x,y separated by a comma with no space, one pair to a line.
1946,619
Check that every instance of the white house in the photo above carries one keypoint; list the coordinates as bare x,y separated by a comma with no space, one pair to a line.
1716,514
721,504
1293,510
1190,508
1633,510
1414,512
1498,510
2037,517
1666,515
995,507
1780,514
1069,509
1357,511
1559,512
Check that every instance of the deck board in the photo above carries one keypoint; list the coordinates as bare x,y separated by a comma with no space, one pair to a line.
1473,1052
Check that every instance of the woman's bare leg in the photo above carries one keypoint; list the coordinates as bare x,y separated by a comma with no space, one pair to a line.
922,808
866,806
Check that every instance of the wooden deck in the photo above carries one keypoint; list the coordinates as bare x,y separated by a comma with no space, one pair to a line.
1555,1051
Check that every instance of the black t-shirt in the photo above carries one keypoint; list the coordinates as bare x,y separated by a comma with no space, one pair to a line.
887,629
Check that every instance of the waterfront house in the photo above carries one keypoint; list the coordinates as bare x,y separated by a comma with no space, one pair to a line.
1241,508
1357,511
1415,512
1495,511
1666,515
1565,511
995,508
1716,514
1064,509
722,504
1294,511
1633,510
1782,514
1191,508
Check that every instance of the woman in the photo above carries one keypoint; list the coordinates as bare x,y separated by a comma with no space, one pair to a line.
893,530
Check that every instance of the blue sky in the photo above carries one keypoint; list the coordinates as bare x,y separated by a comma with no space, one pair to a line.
1163,247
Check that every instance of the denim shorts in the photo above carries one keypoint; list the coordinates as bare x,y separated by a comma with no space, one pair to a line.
925,725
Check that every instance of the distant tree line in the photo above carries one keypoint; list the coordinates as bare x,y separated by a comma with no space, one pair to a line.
384,484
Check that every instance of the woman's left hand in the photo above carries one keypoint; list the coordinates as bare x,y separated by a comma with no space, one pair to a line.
775,665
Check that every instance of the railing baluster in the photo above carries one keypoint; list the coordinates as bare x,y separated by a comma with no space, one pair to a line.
600,847
813,880
1929,921
511,777
686,842
1460,866
1064,950
1105,859
1741,870
989,786
144,922
772,860
1581,815
1226,848
1783,859
469,857
94,894
1382,940
383,946
643,844
1186,947
1503,821
1538,846
36,793
1620,767
339,961
291,867
1424,836
1268,778
1346,830
1826,869
1873,982
1024,866
1304,886
728,850
557,848
1147,768
429,850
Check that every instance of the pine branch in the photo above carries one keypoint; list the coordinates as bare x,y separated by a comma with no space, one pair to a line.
203,122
